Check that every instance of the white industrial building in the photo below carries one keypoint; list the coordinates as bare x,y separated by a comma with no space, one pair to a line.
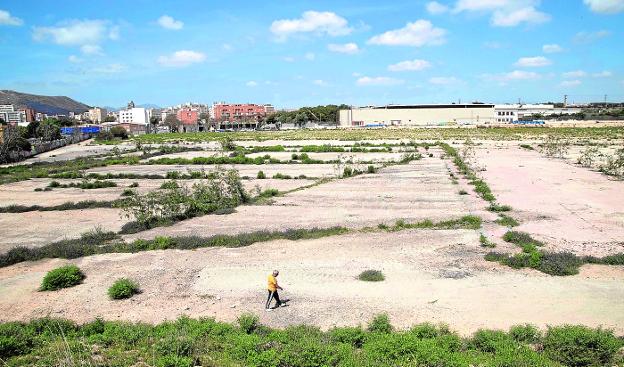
507,113
134,115
12,116
418,115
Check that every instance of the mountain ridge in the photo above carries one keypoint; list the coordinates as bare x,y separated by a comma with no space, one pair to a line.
51,105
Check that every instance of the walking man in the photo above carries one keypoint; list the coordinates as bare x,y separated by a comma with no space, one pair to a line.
273,287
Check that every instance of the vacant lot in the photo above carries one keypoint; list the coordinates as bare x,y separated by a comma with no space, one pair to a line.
390,214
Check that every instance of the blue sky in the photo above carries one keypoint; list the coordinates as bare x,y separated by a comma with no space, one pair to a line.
294,53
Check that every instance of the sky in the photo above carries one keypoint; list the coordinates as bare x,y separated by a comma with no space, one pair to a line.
298,52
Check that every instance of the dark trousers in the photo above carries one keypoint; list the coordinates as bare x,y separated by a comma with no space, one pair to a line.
271,296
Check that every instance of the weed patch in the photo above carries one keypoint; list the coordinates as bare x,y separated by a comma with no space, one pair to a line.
371,276
63,277
123,288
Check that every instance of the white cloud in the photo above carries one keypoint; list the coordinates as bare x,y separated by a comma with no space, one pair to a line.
435,8
347,48
570,83
182,58
533,62
552,49
379,80
109,69
504,18
7,19
168,22
289,59
479,5
605,6
588,37
356,74
410,65
444,80
319,82
603,74
251,83
74,59
418,33
574,74
493,45
505,13
310,56
516,75
91,50
311,22
77,33
227,47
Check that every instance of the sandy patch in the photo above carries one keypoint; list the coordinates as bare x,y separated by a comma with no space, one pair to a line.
570,207
436,276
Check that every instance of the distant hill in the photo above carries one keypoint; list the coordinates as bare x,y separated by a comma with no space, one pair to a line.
51,105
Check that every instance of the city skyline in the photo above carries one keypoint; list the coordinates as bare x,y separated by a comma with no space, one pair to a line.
314,53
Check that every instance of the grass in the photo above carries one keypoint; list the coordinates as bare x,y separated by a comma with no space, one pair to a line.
507,134
86,204
63,277
465,222
483,240
496,208
552,263
85,185
187,342
100,242
507,221
123,288
526,146
371,276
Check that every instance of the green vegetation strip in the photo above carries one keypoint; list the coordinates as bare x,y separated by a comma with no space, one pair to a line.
503,133
99,242
190,342
86,204
553,263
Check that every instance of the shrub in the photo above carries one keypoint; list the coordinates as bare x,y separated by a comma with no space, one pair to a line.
579,346
525,334
526,146
499,208
15,339
463,192
353,336
483,240
260,175
134,184
380,324
559,263
347,172
248,322
63,277
521,238
371,276
119,132
507,221
123,288
371,169
128,192
490,341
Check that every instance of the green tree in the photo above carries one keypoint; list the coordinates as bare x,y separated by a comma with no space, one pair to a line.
48,131
173,123
109,119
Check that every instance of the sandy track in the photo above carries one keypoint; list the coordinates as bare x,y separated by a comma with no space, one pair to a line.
570,207
310,170
22,193
434,276
417,191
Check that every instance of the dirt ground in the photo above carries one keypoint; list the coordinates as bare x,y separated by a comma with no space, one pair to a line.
434,276
570,207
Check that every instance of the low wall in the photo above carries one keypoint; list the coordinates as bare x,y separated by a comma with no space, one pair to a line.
42,147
